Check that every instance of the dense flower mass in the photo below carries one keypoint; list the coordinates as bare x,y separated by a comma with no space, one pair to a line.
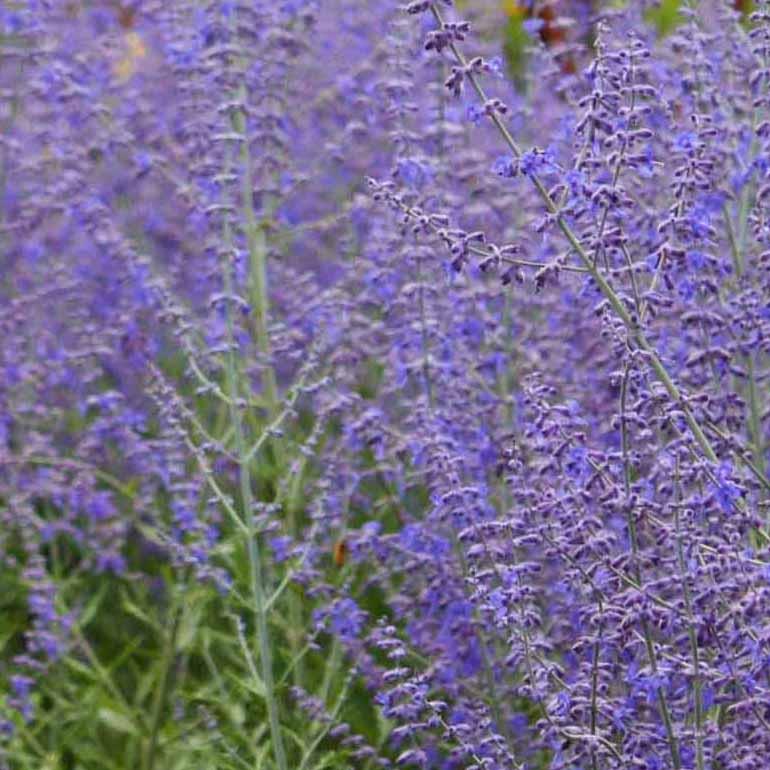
385,384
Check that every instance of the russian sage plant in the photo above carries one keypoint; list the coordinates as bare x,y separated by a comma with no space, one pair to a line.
377,391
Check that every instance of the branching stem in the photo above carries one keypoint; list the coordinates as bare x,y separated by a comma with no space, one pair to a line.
635,333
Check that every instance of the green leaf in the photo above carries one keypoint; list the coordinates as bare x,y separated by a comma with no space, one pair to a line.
189,626
666,17
90,610
118,722
136,612
250,684
146,685
81,668
236,713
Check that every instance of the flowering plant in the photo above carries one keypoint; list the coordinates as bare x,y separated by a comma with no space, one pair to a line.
372,399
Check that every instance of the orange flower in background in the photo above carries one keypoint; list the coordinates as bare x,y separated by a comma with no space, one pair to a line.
340,553
514,8
134,50
552,31
126,16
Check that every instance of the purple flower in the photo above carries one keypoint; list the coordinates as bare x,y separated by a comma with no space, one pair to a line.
532,26
727,493
506,166
346,619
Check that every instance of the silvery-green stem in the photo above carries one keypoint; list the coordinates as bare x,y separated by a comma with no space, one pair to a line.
247,500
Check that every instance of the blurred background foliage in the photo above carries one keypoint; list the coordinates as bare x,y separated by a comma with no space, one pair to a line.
547,20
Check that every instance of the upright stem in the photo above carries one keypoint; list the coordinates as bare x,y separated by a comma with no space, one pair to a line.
755,416
692,635
256,237
247,501
737,244
161,693
424,337
295,600
257,243
673,744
